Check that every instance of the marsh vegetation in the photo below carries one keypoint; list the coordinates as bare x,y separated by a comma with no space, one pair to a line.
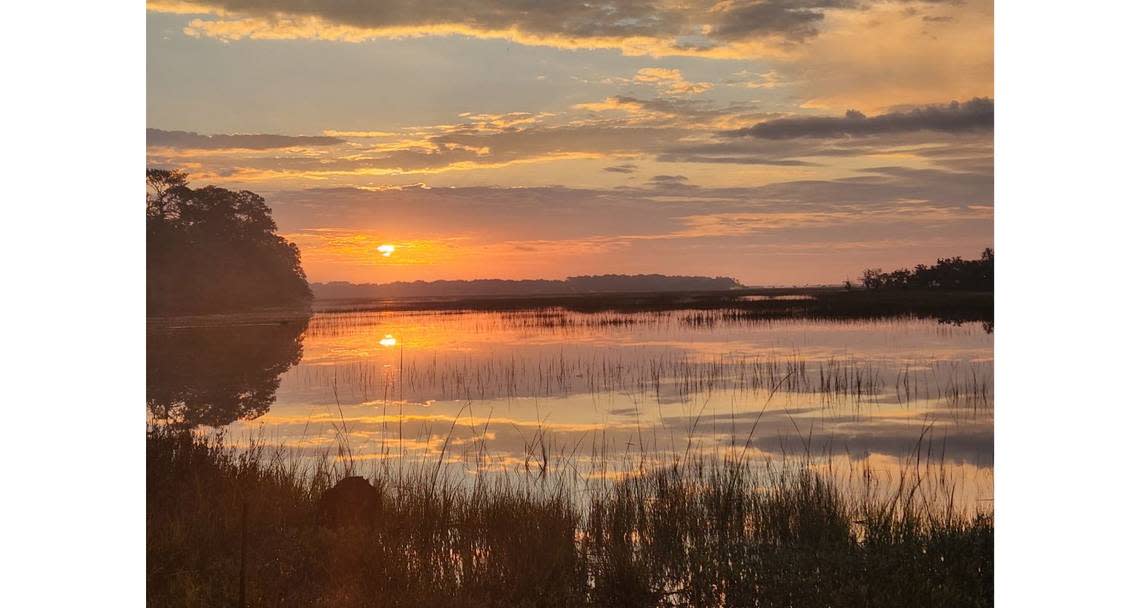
229,523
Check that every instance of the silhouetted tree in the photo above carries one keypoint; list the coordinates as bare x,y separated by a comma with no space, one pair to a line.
212,249
948,273
163,187
873,278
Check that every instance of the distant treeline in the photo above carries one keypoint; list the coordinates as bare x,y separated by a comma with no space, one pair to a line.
948,273
215,250
609,283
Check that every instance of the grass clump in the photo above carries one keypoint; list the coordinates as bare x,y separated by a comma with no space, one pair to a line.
698,533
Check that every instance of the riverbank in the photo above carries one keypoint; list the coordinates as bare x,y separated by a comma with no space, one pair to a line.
700,533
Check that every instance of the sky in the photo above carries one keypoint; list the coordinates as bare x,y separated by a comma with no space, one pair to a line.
780,142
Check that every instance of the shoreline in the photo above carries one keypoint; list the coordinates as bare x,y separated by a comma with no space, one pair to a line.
775,303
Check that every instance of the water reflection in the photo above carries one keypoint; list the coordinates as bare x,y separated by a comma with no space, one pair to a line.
215,376
600,392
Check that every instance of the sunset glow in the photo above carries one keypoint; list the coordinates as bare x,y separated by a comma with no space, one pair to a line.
701,138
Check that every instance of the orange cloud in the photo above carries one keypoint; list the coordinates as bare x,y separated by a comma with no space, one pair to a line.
670,80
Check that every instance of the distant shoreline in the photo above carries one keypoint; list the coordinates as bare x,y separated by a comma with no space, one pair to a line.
628,301
586,284
743,304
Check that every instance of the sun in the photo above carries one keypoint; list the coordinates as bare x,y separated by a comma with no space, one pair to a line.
386,250
388,341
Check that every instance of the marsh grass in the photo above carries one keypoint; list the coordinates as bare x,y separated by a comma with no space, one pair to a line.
669,373
700,531
665,376
742,304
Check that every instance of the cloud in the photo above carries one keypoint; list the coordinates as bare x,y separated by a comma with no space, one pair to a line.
623,168
690,113
815,230
568,18
668,207
467,146
974,115
790,19
479,141
635,26
670,81
618,129
672,182
718,156
753,80
960,150
193,141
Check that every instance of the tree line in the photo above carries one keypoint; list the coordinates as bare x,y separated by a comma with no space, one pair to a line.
215,250
947,273
610,283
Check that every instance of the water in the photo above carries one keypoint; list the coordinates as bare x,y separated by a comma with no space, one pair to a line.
593,395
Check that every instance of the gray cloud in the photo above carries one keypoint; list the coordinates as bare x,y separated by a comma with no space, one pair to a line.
681,157
194,141
669,181
463,144
974,115
564,17
672,131
623,168
972,150
791,20
878,201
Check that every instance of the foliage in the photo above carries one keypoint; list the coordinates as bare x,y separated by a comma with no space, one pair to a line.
948,273
701,533
212,250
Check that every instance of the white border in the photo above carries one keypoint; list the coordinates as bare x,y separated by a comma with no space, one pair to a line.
1067,234
73,249
1066,340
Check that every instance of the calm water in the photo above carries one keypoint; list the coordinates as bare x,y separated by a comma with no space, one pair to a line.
594,394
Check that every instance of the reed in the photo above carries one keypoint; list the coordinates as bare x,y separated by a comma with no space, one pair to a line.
675,375
696,531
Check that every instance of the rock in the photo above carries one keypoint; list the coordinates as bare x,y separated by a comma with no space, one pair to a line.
351,503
